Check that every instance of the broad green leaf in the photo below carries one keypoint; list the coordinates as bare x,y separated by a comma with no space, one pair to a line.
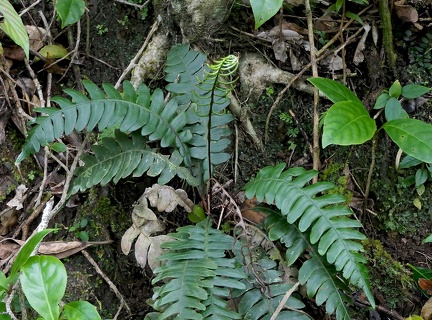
27,250
412,91
421,176
347,123
413,136
263,10
13,26
408,162
53,51
395,89
70,11
428,239
43,281
59,147
381,101
197,214
80,310
334,90
394,110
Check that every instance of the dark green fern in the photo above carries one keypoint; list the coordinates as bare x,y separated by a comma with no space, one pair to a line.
197,275
120,156
129,111
318,220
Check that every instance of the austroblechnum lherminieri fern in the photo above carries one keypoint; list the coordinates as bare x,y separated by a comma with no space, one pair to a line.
144,118
307,219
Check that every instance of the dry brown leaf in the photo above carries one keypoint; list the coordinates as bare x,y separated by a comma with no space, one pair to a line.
36,36
59,249
8,220
406,13
426,311
17,201
145,222
14,52
358,54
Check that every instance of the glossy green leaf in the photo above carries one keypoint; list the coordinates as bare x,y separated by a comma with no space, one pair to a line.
263,10
394,110
13,26
334,90
80,310
421,176
382,101
26,251
412,91
347,123
70,11
197,214
413,136
408,162
428,239
395,89
43,281
59,147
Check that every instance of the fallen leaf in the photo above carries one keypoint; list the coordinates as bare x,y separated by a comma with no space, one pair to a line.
36,37
406,13
358,54
53,51
17,201
426,311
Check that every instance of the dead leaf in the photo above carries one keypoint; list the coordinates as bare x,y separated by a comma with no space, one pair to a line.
8,220
406,13
374,33
358,54
36,36
146,223
14,52
333,63
17,201
426,311
279,49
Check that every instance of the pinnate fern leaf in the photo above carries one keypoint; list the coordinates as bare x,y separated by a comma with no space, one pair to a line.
202,90
319,276
198,276
120,157
255,305
130,111
322,216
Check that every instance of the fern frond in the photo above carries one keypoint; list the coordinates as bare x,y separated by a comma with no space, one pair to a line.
321,215
129,111
255,305
203,91
198,274
319,276
120,157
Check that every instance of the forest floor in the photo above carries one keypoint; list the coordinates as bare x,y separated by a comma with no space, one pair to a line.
396,220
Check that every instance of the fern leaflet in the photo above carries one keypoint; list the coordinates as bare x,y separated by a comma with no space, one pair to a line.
198,275
322,216
109,108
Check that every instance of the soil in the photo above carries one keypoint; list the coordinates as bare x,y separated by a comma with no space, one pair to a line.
394,225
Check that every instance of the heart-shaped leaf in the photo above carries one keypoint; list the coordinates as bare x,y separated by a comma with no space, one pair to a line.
43,280
413,136
347,123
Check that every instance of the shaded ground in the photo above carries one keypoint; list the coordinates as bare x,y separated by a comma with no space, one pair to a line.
116,33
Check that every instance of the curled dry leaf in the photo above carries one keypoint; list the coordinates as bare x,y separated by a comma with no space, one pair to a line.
358,54
17,201
146,223
426,311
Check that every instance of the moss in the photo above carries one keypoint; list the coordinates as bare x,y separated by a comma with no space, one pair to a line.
334,172
388,276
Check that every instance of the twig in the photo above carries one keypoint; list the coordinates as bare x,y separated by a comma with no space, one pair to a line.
284,299
313,57
134,4
108,281
44,180
133,62
36,82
